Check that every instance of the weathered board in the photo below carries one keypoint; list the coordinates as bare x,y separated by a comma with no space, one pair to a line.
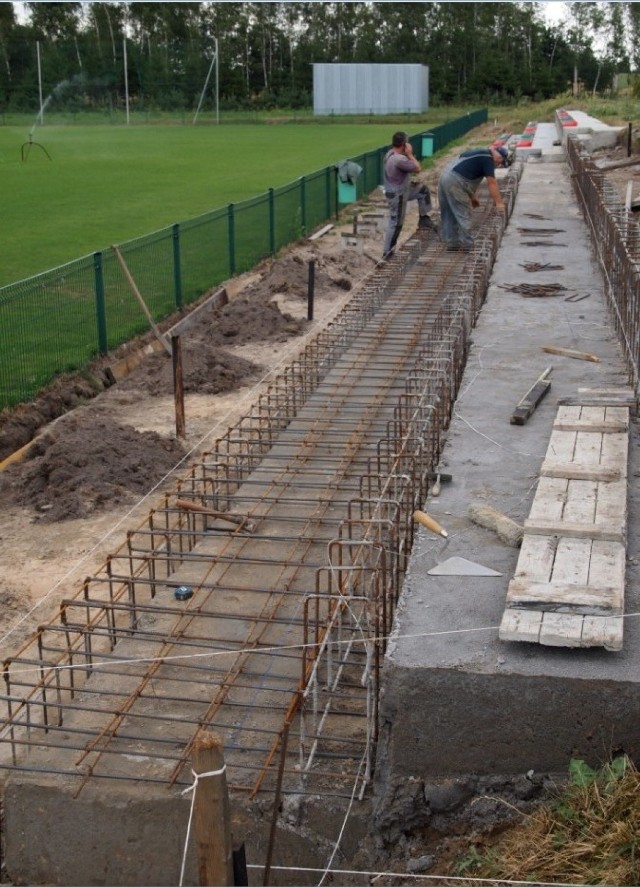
569,582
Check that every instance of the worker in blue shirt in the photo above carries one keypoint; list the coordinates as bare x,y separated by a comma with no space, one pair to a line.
457,192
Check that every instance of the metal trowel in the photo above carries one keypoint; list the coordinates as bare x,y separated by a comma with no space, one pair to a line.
460,566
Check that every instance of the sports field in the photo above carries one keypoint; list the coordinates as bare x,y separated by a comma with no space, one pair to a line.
105,185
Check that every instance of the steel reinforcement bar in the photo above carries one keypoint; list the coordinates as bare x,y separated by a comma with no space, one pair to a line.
257,598
616,238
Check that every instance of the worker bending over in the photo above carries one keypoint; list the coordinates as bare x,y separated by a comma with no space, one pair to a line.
457,192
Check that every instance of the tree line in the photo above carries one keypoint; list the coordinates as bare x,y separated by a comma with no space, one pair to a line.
83,56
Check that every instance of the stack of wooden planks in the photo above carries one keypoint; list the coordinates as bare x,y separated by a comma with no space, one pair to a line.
568,588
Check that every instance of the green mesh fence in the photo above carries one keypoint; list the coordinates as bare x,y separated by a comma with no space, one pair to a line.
58,321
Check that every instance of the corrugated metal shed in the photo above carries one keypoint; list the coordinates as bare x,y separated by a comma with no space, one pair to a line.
370,88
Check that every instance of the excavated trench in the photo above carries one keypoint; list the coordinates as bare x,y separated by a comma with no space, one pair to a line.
255,601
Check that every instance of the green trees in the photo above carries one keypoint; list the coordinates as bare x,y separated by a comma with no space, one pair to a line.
487,52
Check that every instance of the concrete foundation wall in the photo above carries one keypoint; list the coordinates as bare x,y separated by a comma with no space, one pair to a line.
136,835
462,722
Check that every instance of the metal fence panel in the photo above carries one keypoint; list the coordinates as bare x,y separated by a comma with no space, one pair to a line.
58,321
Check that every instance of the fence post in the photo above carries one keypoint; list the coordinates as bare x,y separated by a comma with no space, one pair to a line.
232,240
303,204
211,812
327,189
177,271
101,309
272,223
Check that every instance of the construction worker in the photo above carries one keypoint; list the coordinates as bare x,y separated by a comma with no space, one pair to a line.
457,189
398,167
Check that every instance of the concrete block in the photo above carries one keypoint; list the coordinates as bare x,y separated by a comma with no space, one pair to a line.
352,242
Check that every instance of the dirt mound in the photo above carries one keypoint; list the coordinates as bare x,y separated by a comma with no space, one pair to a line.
87,464
206,370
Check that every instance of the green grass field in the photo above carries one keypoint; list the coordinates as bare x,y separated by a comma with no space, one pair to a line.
107,185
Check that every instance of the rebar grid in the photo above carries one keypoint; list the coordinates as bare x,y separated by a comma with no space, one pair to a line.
616,238
293,533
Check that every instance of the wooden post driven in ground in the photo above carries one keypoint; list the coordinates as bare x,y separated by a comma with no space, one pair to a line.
311,288
178,386
136,292
211,813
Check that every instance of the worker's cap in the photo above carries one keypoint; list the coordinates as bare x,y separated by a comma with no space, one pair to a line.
502,151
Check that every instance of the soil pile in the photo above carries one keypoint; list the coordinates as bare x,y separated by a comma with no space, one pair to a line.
89,465
88,462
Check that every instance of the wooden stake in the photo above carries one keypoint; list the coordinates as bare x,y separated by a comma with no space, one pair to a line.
211,812
567,352
178,386
138,296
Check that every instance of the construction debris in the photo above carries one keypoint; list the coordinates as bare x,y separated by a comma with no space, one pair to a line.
541,266
506,529
531,399
569,352
533,290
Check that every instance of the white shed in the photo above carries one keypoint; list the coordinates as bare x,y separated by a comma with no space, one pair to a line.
370,88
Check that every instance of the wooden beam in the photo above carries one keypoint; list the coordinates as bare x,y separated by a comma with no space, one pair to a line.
569,352
531,399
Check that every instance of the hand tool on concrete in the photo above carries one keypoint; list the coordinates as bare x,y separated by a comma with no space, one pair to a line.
427,521
239,519
460,566
505,528
444,478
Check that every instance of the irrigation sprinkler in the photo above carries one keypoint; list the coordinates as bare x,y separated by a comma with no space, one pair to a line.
26,147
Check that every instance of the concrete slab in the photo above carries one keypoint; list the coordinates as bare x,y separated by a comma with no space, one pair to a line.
587,128
456,699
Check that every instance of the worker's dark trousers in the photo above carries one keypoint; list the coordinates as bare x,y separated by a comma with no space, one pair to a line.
397,203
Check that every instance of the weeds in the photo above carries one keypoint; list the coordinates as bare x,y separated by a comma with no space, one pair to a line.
589,835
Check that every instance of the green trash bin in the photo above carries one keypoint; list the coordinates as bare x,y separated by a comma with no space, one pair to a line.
427,145
346,192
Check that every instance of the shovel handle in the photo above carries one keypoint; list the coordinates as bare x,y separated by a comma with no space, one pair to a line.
426,521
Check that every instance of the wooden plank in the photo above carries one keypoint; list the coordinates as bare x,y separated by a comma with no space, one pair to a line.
520,625
593,414
609,391
591,400
561,446
607,564
580,472
611,504
612,426
601,631
531,399
569,352
537,554
550,498
553,597
617,414
588,448
615,452
580,506
571,565
561,630
574,531
568,414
